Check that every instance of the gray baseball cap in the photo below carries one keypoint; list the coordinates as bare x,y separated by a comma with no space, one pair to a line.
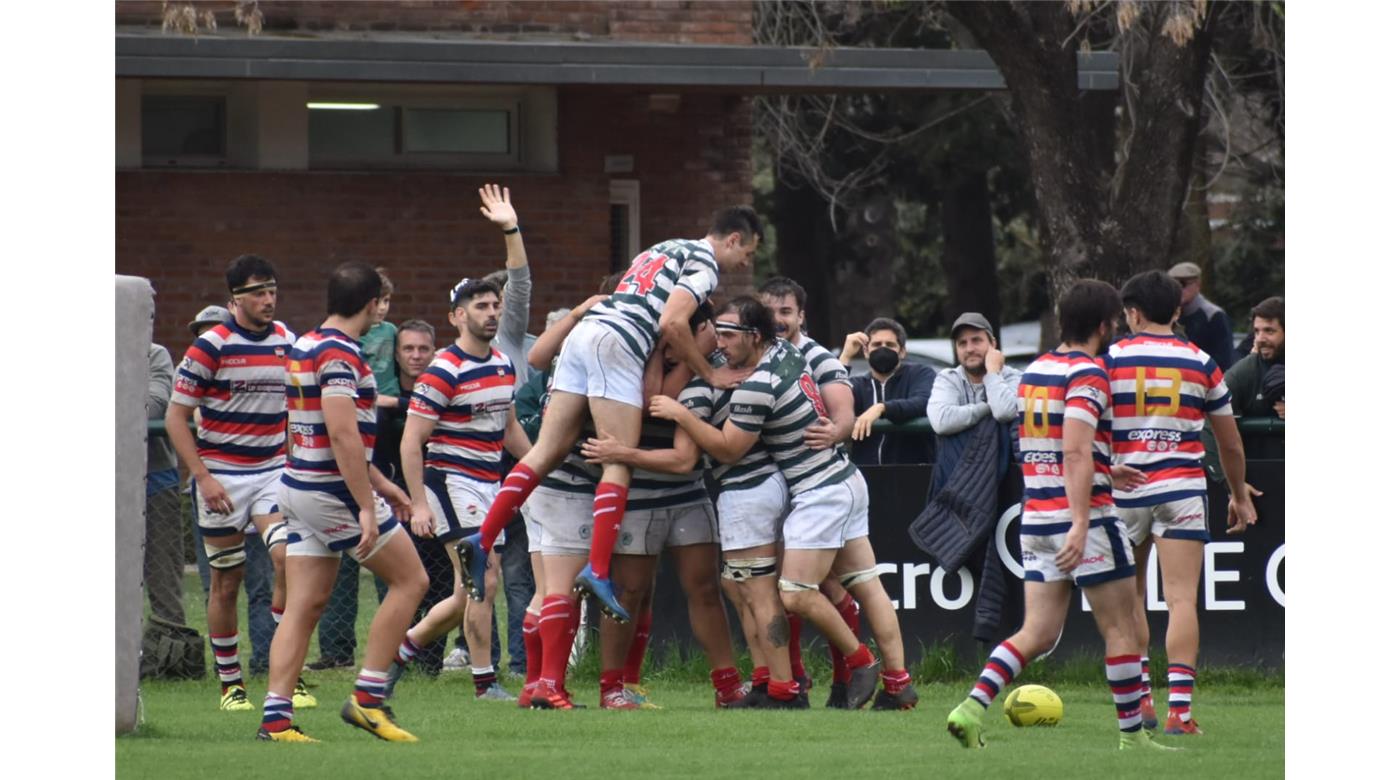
971,319
209,315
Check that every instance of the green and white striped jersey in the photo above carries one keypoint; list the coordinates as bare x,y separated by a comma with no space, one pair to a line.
778,401
711,404
634,309
824,366
649,489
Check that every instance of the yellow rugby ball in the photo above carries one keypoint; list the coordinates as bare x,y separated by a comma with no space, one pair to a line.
1033,705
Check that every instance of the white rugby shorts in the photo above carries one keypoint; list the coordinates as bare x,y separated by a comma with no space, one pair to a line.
595,361
253,495
1181,519
459,503
1108,555
825,518
565,525
752,517
323,524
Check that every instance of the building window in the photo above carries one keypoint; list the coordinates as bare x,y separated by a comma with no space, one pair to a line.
184,130
414,131
624,217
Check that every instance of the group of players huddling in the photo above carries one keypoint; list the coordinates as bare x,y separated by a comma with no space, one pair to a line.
649,386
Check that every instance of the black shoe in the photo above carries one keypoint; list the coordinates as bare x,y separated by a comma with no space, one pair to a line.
755,694
904,700
837,699
864,680
322,664
798,702
804,684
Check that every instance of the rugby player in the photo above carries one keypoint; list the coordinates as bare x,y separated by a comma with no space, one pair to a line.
328,495
1164,389
826,530
234,375
1069,533
787,301
463,409
600,374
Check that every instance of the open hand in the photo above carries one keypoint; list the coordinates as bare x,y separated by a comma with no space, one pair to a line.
495,206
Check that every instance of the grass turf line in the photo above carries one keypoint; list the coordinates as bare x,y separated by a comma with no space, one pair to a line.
185,735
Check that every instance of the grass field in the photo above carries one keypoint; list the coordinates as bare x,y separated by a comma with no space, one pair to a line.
185,735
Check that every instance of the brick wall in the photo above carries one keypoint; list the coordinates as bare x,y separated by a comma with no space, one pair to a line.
180,228
669,22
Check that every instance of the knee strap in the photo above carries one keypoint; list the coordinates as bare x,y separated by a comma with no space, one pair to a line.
226,557
741,569
792,586
857,577
275,534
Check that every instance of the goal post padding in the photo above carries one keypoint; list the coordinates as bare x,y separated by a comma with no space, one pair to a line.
135,310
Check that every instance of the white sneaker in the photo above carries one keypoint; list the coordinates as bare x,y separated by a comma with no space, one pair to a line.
456,661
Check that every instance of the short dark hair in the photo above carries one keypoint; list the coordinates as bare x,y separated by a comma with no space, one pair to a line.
705,311
419,326
1270,308
1153,293
386,287
885,323
351,287
737,219
245,267
753,314
1084,307
468,289
782,287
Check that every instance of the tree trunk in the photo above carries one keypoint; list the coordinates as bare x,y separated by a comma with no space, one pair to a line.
1104,219
969,257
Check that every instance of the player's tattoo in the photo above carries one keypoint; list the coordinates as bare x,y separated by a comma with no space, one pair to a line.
778,631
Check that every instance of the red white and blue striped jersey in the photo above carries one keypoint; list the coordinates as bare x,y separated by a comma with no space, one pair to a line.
1062,386
324,363
469,398
235,378
1163,388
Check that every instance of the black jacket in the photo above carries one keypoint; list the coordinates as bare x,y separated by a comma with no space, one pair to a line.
905,395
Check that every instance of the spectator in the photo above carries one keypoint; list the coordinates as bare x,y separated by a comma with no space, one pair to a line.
971,410
1256,382
1206,325
164,566
893,390
378,342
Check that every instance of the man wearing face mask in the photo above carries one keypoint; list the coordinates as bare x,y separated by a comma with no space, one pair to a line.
893,390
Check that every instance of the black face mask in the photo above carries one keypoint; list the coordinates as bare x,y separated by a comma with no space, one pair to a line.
884,360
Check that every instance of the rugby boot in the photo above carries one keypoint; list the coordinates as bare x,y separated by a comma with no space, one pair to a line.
864,681
602,588
474,561
378,721
798,702
526,692
1177,727
289,734
494,692
836,700
904,700
734,700
638,694
1149,713
235,699
396,671
302,697
547,698
1142,739
965,723
755,694
617,699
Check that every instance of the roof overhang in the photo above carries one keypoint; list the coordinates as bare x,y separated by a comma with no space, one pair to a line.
390,57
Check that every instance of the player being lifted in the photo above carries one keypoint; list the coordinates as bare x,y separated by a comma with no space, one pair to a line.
1164,389
234,374
328,494
600,374
1069,533
827,528
787,301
